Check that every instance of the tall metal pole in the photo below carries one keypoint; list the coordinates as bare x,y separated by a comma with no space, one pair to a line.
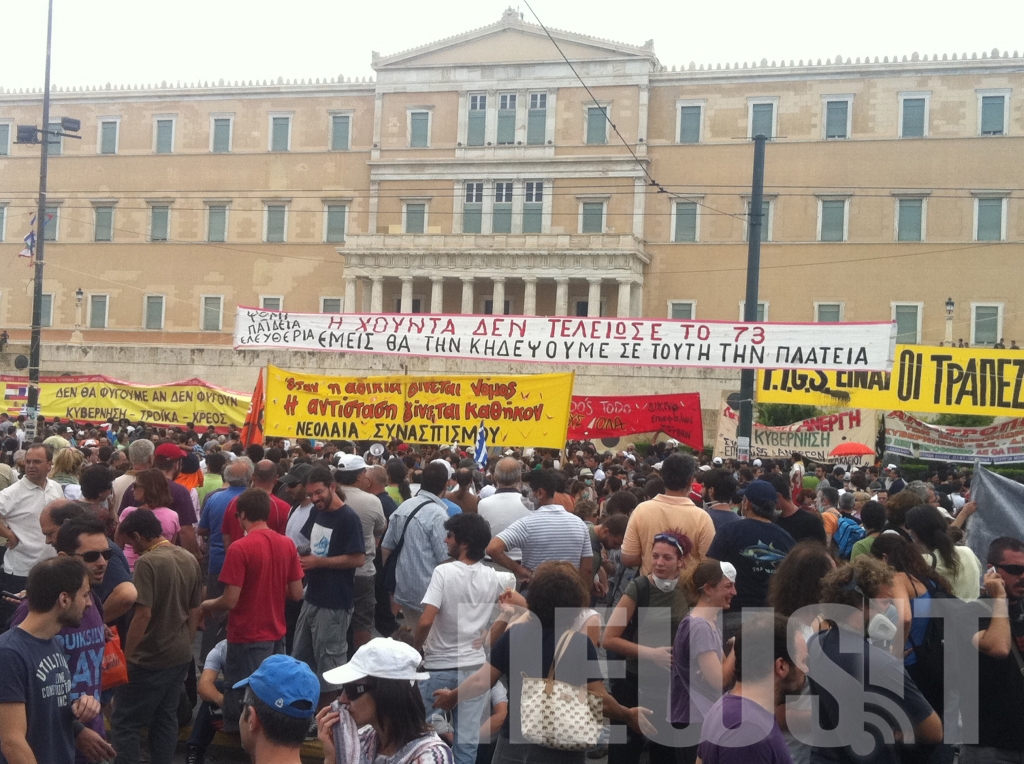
37,292
746,423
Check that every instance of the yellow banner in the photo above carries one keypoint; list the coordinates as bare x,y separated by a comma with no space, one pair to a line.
97,398
924,378
514,410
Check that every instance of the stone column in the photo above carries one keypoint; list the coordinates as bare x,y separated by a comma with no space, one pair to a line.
625,305
350,295
406,304
529,295
561,296
437,294
594,297
467,295
498,296
376,294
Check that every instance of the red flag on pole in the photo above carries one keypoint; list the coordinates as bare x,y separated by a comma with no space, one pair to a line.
252,430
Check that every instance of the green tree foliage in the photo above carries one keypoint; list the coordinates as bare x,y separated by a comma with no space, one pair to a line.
781,414
962,420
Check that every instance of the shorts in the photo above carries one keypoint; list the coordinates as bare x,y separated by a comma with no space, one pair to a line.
321,640
365,603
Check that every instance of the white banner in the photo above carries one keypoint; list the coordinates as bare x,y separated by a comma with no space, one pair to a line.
570,339
908,436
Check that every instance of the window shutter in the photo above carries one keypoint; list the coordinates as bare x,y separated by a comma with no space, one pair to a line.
992,115
761,118
533,217
990,219
275,223
906,324
279,135
336,222
50,225
986,324
158,228
104,223
593,217
221,136
339,132
686,221
154,311
415,217
46,311
331,305
164,136
833,218
5,139
476,128
909,228
419,129
218,223
536,126
98,311
689,124
211,314
836,113
913,118
506,127
682,311
597,125
108,138
828,313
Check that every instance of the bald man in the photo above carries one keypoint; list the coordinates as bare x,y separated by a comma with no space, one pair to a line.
264,477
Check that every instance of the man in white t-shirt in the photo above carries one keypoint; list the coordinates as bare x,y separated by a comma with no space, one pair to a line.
505,505
457,609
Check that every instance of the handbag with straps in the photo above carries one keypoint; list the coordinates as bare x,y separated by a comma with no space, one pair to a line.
391,563
557,714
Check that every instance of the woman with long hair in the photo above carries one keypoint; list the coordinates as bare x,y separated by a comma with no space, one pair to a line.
700,667
379,716
957,564
553,588
656,593
152,494
398,483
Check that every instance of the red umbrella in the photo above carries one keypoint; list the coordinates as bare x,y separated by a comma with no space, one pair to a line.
852,449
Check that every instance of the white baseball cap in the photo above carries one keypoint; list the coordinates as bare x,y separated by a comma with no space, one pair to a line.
757,462
892,467
384,658
717,461
350,462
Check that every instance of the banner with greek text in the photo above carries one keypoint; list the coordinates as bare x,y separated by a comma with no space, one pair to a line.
678,416
98,398
1001,443
815,439
516,410
565,339
924,378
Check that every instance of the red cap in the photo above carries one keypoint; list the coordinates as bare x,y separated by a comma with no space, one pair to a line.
402,448
169,451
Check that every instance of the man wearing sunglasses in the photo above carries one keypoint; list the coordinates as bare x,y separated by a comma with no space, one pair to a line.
85,539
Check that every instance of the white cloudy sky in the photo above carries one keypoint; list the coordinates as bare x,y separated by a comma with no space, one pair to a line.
128,41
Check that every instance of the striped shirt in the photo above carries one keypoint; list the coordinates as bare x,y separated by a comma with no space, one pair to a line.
547,534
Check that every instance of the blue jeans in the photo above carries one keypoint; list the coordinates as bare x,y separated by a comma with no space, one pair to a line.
467,716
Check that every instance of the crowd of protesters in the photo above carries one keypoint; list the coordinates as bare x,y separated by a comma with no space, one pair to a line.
395,602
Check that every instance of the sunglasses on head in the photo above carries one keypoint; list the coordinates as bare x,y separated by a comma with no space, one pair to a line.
1013,570
355,690
94,556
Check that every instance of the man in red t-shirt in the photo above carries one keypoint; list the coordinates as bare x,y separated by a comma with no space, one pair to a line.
264,477
261,570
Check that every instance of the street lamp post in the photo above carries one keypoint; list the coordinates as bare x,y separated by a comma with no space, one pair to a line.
950,305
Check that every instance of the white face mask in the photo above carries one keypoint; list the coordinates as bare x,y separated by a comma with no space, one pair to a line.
881,628
665,584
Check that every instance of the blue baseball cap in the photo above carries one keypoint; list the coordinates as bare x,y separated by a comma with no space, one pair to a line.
760,492
286,685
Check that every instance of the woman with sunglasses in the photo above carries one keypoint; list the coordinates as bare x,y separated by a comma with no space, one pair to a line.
379,717
642,609
152,495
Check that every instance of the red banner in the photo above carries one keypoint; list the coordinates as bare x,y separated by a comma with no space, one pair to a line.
678,416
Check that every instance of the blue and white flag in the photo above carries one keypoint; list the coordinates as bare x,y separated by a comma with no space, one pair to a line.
480,454
30,240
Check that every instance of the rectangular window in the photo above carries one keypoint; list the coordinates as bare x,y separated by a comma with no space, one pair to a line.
473,208
46,311
330,305
681,310
907,318
762,120
52,224
154,311
419,129
836,116
335,222
833,220
592,218
597,125
489,307
164,136
416,307
501,221
108,137
222,135
159,225
416,218
689,124
476,129
989,219
533,207
340,124
3,221
5,139
686,221
506,119
97,311
909,225
104,224
914,121
992,114
217,229
55,145
276,214
761,314
280,133
537,119
270,303
766,208
985,323
213,311
828,312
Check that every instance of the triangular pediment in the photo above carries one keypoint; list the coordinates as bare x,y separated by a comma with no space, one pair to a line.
511,41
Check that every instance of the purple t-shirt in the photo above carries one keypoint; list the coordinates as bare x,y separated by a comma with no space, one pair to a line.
181,503
739,731
692,695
